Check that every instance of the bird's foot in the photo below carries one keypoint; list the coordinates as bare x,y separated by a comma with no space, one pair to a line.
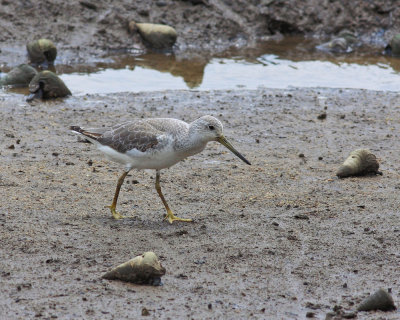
171,218
116,215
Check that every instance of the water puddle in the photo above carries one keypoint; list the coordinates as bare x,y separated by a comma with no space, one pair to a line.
292,62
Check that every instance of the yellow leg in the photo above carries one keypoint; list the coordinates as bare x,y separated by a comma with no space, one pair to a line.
170,216
113,206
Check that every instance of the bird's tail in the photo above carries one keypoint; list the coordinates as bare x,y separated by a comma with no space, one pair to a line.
82,131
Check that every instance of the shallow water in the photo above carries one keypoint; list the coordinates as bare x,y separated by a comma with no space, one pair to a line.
293,62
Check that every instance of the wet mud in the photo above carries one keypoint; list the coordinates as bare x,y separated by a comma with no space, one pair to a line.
280,239
86,31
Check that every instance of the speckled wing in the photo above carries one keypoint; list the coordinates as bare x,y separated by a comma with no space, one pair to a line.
132,135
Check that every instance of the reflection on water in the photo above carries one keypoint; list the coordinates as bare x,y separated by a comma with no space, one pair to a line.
192,71
149,72
275,64
23,91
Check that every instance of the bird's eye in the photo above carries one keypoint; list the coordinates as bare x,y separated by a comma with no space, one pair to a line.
211,127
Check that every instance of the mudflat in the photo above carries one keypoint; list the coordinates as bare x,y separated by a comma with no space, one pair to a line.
87,30
279,239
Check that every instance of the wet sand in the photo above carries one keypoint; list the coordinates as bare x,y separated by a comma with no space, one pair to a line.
275,240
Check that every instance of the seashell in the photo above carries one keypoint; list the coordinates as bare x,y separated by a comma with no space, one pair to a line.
47,85
340,44
395,46
132,27
41,51
144,269
337,45
19,76
349,36
360,162
380,300
157,36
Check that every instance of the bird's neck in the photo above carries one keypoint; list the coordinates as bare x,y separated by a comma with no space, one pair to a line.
192,143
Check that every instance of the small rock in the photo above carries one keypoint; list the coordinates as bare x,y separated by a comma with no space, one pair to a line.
144,12
349,315
145,312
330,316
337,308
311,305
88,5
197,2
200,261
301,217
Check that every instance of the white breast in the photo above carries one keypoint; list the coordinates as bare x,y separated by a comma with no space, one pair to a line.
156,159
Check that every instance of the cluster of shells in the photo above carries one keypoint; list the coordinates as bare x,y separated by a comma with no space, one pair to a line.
42,54
43,84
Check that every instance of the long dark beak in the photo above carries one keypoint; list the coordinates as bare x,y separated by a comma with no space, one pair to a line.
225,142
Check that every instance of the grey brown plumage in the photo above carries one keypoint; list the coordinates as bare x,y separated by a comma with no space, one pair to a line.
138,135
134,135
92,135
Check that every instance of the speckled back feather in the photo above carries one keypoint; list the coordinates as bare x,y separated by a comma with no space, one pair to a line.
138,135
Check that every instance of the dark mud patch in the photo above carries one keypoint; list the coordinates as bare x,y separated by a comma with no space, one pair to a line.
85,31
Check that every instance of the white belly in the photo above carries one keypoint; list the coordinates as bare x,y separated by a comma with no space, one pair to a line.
144,160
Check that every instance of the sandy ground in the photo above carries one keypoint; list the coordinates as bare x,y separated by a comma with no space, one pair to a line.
275,240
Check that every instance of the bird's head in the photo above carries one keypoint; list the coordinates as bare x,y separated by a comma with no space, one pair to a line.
208,128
